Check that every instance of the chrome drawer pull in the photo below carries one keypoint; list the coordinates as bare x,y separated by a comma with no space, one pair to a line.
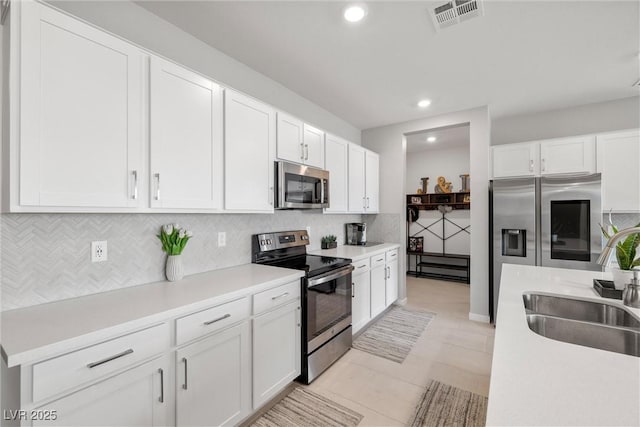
226,316
280,296
184,386
362,266
161,398
157,176
109,359
381,259
134,196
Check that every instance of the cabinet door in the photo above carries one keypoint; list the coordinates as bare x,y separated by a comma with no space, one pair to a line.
618,160
81,114
372,184
335,161
248,154
356,179
361,301
568,155
276,351
186,138
392,283
213,379
137,397
378,290
290,144
313,146
513,160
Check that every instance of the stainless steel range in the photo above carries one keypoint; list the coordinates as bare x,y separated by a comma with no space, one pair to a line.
326,297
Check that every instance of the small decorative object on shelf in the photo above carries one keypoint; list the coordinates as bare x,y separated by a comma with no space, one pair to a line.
416,200
174,239
416,244
442,186
329,242
465,183
425,184
419,191
467,198
625,255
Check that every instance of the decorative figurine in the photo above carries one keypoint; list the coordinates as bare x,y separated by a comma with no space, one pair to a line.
425,184
442,186
465,183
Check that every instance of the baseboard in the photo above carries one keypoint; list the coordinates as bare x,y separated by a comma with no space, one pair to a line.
479,318
402,301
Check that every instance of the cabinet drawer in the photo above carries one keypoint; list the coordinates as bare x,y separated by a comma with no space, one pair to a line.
361,266
271,298
392,255
83,366
204,322
377,260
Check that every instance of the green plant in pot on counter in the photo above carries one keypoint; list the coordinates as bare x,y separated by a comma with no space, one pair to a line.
329,242
626,251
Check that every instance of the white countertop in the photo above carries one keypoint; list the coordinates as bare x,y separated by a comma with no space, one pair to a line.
45,330
542,382
355,252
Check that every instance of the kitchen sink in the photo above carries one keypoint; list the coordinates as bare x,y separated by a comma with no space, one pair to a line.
575,309
594,335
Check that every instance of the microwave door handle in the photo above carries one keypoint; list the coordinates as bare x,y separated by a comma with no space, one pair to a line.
322,182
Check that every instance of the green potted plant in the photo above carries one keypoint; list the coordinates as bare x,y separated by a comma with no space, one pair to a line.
174,239
626,251
329,242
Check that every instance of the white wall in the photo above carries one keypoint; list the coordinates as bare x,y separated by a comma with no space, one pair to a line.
140,26
390,142
583,119
450,163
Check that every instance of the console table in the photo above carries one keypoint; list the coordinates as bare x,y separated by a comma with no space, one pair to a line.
441,266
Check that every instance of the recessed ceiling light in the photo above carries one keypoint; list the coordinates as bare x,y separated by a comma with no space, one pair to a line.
431,139
424,103
354,13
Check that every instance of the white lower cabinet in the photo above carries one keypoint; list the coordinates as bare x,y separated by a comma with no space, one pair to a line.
136,397
276,351
213,379
391,294
361,298
378,289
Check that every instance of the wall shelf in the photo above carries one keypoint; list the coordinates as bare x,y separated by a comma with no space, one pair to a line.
431,201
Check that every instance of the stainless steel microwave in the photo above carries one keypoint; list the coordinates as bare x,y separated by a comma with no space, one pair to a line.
301,187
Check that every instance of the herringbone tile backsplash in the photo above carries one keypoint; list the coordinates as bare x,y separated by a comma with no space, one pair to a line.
46,257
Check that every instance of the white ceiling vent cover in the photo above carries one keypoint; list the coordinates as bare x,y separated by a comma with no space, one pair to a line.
454,12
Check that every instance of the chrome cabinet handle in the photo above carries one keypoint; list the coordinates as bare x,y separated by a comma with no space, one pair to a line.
226,316
543,165
184,360
157,177
301,151
110,358
353,290
364,202
298,316
389,273
161,398
362,266
531,165
381,259
279,296
134,196
367,203
271,196
306,152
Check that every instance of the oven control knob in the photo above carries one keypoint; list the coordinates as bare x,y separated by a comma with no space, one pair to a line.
263,242
269,241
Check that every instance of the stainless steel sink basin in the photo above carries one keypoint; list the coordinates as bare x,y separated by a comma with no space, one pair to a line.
595,335
575,309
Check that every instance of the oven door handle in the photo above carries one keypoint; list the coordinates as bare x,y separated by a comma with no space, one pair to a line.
344,271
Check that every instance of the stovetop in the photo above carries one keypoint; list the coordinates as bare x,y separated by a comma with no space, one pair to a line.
313,265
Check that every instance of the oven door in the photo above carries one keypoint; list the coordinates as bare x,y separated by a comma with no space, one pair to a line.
301,187
328,306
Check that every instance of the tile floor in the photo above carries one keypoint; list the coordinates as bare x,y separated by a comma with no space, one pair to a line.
452,350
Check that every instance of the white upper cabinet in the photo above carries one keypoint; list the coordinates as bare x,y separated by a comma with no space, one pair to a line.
313,140
81,115
335,161
357,201
372,184
568,155
514,160
618,161
185,139
299,142
249,144
363,180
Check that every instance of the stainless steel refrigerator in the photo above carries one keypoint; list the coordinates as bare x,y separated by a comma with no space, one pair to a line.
548,221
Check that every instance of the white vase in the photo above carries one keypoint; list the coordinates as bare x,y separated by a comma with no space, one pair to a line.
621,278
173,269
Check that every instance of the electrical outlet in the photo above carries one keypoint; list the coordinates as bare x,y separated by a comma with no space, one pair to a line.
99,251
222,239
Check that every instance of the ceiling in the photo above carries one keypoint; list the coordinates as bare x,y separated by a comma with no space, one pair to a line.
521,56
447,137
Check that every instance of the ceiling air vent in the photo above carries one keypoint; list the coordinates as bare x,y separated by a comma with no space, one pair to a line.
454,12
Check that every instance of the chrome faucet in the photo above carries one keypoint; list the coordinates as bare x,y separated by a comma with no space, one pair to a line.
631,293
604,256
